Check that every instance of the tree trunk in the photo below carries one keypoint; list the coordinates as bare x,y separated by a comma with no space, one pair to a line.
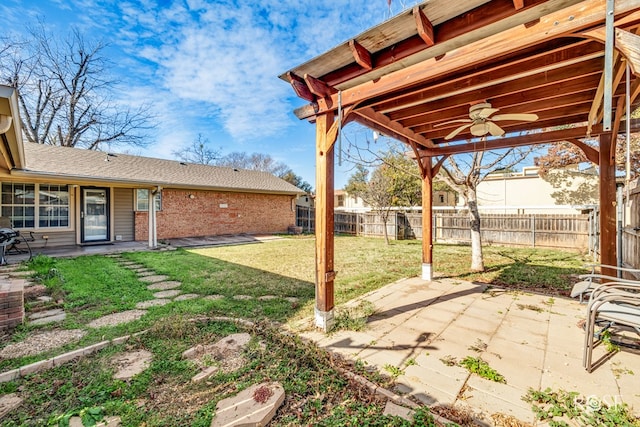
477,260
385,219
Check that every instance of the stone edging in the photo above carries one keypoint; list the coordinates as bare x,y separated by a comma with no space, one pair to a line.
66,357
61,359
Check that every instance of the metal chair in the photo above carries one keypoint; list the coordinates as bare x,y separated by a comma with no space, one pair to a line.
611,304
589,281
11,241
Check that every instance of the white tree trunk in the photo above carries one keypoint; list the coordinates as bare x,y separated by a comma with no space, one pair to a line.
477,260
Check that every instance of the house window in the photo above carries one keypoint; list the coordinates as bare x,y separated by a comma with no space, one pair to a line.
340,201
441,198
142,200
35,205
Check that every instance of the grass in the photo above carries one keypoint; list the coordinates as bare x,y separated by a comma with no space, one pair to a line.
93,286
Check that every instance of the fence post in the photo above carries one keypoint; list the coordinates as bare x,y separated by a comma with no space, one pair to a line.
533,230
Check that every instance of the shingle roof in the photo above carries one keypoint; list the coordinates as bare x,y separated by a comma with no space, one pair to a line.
75,163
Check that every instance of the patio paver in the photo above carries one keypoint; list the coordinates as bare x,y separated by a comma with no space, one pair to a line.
532,340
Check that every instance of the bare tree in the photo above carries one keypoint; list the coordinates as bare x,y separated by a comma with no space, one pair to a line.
461,173
66,96
254,161
198,152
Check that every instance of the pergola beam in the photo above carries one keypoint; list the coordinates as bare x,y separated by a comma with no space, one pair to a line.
424,27
386,126
361,55
560,23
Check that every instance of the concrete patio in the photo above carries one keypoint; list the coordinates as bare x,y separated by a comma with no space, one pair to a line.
532,340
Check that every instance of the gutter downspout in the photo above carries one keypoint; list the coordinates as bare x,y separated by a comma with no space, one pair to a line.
153,230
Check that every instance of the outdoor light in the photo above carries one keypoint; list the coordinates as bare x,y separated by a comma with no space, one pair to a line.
5,123
191,196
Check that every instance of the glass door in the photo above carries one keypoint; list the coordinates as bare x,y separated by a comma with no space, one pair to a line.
95,214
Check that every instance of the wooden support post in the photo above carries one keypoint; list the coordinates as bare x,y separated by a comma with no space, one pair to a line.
608,254
151,213
324,222
427,222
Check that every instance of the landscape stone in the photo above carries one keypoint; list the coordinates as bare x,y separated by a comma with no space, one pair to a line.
20,273
186,297
117,318
205,373
213,297
267,297
35,292
255,406
45,298
398,411
167,294
46,313
49,319
154,278
8,403
131,364
242,297
108,422
233,343
163,286
292,299
41,342
145,272
153,303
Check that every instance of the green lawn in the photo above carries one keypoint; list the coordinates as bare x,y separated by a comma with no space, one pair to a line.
93,286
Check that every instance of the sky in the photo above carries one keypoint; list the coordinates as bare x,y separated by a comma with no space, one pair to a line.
210,67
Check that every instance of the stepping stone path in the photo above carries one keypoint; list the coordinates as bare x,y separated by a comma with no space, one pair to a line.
152,303
255,406
131,364
167,294
8,403
163,286
154,278
117,318
213,297
146,273
242,297
267,297
41,342
227,352
185,297
108,422
47,316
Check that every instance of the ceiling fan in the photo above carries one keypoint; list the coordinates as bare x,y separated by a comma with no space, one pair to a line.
480,121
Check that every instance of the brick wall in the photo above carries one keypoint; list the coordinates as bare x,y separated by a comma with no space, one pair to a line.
211,213
11,305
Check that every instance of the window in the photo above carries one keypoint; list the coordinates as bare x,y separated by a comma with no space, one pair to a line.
142,200
35,205
340,201
441,198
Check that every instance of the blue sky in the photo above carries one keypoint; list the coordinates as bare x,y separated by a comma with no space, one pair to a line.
211,67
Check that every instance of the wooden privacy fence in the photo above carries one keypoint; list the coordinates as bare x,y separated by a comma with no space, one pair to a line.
532,230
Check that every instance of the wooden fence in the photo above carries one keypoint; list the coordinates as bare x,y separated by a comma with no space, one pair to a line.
532,230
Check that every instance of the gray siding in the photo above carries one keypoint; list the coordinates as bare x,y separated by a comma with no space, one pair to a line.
55,238
123,217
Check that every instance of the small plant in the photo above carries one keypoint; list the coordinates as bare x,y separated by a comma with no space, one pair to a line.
262,394
393,370
411,362
605,337
558,407
449,360
89,416
354,318
479,346
480,367
530,307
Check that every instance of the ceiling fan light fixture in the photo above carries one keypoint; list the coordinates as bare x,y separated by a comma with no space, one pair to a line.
479,129
5,123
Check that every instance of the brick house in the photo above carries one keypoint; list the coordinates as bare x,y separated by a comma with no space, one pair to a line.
67,196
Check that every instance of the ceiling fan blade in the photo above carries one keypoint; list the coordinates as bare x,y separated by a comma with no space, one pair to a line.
517,117
453,121
494,129
485,112
458,130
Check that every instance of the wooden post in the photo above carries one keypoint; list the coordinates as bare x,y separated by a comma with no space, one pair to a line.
427,222
608,254
151,214
324,223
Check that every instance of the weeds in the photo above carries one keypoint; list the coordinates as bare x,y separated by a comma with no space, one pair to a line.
393,370
353,318
478,366
558,407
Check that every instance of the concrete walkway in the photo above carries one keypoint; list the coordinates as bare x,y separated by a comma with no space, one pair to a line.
532,340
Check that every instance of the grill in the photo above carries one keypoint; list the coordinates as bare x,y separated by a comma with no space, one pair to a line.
9,239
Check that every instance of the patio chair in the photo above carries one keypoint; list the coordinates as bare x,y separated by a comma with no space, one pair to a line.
611,304
589,281
11,241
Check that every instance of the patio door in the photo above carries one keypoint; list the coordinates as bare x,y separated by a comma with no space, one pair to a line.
94,215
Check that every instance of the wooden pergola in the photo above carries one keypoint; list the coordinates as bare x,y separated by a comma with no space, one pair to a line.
563,60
